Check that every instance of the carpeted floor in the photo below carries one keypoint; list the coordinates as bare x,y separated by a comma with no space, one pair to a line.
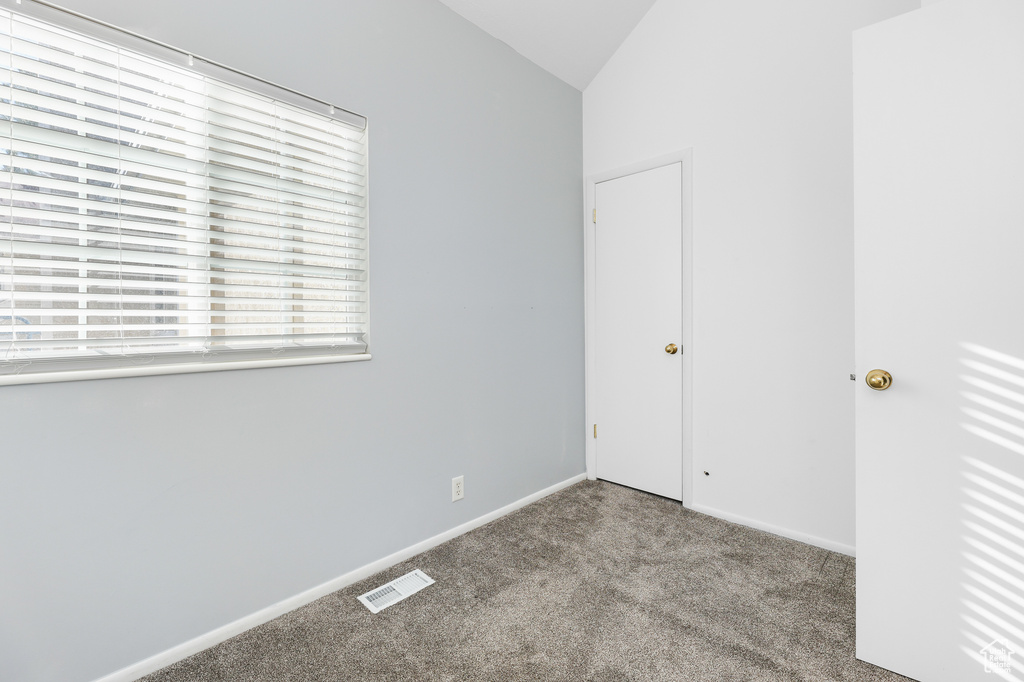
596,582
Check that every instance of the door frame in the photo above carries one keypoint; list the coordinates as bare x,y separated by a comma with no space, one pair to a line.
685,159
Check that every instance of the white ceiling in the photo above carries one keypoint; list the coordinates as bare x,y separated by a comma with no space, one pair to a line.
570,38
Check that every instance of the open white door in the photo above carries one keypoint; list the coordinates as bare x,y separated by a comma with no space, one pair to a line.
939,120
638,331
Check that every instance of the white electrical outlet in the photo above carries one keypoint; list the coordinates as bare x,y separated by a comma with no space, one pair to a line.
458,488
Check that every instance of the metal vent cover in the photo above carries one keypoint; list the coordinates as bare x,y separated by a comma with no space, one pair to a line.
395,591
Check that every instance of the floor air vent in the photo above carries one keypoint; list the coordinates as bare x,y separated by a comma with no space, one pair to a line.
395,591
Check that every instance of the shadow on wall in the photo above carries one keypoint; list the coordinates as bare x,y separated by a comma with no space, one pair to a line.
993,512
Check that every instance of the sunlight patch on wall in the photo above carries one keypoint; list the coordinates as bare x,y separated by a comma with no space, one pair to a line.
993,512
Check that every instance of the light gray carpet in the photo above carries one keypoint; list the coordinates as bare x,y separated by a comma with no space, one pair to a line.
596,582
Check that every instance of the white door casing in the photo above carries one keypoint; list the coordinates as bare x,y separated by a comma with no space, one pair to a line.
939,149
637,303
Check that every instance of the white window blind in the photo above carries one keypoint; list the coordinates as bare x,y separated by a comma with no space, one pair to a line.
154,214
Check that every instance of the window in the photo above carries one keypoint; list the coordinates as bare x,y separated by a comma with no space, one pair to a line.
157,215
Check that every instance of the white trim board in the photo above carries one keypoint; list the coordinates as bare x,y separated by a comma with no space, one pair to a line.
180,368
225,632
685,158
805,538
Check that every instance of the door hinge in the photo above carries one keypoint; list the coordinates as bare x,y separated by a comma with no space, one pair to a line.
595,215
595,430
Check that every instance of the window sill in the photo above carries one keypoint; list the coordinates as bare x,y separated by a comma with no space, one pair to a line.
183,368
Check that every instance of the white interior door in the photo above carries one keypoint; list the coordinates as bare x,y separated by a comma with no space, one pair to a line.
939,120
638,314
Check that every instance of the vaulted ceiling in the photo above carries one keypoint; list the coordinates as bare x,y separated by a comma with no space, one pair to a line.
572,39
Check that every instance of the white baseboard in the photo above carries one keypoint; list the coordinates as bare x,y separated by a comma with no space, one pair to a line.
849,550
225,632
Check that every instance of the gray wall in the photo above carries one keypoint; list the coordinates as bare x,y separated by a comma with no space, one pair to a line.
138,513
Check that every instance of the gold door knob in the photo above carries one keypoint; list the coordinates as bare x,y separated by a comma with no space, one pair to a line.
878,379
671,349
